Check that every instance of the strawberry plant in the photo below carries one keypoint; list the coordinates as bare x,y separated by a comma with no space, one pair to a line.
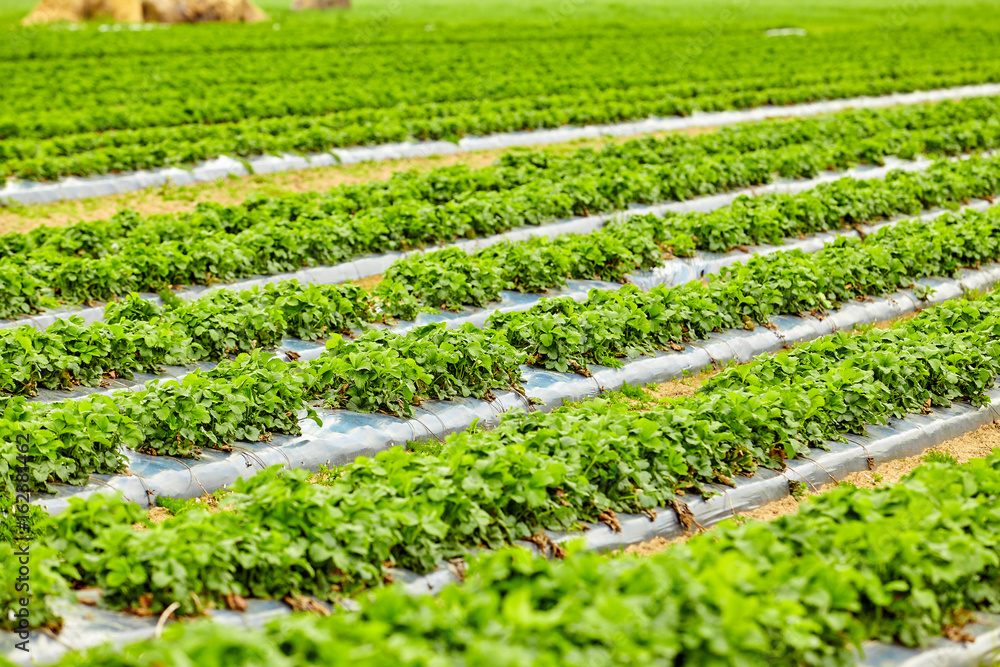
382,371
838,590
248,399
446,279
67,441
490,487
268,235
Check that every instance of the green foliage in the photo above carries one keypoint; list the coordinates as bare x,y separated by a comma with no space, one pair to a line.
266,235
132,308
21,292
383,97
225,323
382,371
939,457
446,279
71,352
67,441
248,398
140,336
285,533
43,582
610,325
804,589
15,525
896,564
315,311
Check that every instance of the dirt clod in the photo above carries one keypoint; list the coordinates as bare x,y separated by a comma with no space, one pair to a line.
235,602
306,603
684,515
609,518
547,546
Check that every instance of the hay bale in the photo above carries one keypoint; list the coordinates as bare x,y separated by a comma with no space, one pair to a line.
196,11
299,5
49,11
137,11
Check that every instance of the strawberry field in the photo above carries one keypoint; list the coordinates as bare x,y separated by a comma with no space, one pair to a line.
415,417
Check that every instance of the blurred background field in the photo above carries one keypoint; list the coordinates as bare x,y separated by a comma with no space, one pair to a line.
820,16
94,98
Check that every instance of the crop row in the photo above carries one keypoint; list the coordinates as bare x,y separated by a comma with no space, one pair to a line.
452,279
185,67
293,533
807,589
292,111
513,170
491,54
561,334
308,95
138,336
227,244
429,96
387,372
86,108
130,150
251,398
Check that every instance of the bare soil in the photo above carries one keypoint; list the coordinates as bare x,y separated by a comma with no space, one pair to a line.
368,282
681,386
158,515
155,515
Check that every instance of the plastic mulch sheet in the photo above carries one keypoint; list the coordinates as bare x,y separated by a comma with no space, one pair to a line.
346,435
87,625
97,186
672,272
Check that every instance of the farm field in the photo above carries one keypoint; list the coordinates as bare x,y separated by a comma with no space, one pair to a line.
106,101
724,395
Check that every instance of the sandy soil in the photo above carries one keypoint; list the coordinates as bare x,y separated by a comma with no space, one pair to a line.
368,282
681,386
233,190
977,444
155,515
158,515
